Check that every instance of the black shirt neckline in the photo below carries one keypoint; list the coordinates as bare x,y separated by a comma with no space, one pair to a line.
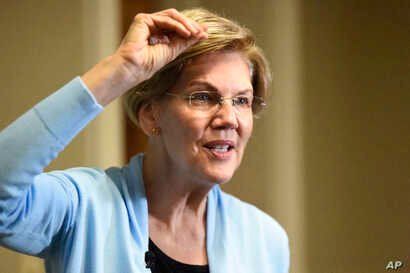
161,257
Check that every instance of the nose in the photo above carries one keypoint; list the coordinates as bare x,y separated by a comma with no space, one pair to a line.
225,116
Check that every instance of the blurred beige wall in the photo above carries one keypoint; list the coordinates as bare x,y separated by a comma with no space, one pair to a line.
356,143
44,44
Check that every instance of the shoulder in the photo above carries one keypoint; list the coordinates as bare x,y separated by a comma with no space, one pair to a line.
84,177
87,182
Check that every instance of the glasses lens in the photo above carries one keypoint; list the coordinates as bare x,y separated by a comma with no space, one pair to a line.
208,100
203,100
242,102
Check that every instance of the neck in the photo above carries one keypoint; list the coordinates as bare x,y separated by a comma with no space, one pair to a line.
173,197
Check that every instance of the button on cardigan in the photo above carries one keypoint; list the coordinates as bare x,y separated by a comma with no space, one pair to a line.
96,221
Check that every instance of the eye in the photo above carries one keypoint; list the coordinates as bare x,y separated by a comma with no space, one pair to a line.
243,101
202,97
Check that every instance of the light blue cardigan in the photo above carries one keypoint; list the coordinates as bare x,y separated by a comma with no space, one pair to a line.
95,221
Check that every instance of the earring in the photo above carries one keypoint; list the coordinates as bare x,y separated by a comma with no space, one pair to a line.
156,131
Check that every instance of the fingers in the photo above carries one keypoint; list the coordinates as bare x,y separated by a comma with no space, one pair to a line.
171,21
190,24
176,46
168,27
166,23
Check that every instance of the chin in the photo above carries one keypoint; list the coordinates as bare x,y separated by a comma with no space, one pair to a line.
217,172
219,178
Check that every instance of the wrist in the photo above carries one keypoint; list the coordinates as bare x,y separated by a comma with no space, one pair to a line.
109,79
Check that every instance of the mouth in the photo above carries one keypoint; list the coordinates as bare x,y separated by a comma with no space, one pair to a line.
220,149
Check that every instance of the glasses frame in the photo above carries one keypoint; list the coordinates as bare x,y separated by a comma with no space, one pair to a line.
221,99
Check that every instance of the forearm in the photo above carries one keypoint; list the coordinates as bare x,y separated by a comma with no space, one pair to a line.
31,142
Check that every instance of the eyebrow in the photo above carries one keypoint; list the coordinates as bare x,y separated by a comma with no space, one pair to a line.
211,87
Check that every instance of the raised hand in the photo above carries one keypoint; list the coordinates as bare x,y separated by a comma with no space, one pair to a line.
152,41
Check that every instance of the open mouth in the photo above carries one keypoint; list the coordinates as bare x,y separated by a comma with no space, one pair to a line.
221,151
219,148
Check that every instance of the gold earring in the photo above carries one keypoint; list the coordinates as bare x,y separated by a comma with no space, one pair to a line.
156,131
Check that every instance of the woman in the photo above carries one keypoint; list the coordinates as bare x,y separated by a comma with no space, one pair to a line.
199,80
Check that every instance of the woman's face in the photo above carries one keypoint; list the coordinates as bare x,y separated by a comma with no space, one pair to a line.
194,141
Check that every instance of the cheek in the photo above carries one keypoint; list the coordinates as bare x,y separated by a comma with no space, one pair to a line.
247,128
193,133
183,129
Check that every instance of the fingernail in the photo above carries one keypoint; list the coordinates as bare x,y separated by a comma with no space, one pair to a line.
195,30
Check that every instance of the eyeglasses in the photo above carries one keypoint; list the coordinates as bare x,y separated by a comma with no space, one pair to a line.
209,100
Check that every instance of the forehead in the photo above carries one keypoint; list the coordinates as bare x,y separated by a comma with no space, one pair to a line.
227,71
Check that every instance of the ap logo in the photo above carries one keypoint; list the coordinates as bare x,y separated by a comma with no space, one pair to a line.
394,265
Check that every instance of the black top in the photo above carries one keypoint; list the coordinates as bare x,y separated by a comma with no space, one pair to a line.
159,262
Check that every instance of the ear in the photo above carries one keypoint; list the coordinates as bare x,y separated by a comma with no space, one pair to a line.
148,117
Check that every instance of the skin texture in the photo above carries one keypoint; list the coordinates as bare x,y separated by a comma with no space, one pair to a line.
178,170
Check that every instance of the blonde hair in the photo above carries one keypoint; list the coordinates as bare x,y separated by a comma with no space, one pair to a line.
223,34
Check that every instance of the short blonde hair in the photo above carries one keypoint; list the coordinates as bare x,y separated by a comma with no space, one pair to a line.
223,34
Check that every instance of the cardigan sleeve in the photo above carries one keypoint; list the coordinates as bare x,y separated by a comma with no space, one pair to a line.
36,206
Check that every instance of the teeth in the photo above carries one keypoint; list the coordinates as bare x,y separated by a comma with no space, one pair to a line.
220,148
